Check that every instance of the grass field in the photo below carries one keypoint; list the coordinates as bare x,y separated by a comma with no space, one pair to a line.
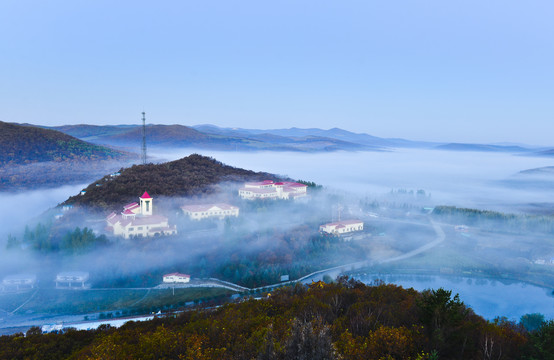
61,302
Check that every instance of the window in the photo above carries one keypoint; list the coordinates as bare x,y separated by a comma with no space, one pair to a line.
139,228
131,228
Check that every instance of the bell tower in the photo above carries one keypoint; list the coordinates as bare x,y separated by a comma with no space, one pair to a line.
146,204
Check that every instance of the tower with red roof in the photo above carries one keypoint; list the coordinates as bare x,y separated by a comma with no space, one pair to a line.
146,204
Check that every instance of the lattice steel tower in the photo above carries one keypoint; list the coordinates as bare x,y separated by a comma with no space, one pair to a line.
143,137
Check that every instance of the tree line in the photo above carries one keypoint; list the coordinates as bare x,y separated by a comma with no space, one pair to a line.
342,320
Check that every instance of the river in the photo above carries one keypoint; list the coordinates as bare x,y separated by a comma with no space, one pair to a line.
489,298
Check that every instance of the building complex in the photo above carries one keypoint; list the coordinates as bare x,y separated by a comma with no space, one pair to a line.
138,220
268,189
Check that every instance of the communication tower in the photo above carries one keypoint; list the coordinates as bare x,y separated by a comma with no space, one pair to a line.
143,137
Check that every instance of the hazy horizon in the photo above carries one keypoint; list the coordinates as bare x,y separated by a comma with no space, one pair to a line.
441,71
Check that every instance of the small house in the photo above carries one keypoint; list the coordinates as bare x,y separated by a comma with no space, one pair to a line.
19,282
342,227
72,280
176,278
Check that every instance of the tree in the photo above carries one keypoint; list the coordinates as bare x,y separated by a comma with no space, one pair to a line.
541,343
443,317
532,322
309,341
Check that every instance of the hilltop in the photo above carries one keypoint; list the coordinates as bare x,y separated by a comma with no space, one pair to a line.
346,320
28,144
193,175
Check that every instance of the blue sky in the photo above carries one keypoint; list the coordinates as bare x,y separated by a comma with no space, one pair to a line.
473,71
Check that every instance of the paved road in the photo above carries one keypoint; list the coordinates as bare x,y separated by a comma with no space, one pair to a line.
316,276
335,271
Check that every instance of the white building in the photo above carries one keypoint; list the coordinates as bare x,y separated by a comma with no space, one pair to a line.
72,280
268,189
176,278
19,282
138,220
342,227
205,211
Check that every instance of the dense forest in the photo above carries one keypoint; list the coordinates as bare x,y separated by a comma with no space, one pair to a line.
192,176
343,320
28,144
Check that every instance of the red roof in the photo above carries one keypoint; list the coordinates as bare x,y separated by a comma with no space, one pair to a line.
128,212
145,196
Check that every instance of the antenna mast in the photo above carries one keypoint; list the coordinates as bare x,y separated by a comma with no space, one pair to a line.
143,138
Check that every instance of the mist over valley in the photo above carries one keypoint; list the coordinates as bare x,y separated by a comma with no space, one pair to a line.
506,235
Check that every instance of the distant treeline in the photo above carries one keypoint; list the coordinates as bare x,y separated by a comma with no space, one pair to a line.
192,176
345,320
493,220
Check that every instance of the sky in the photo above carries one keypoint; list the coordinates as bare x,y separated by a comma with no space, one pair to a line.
459,71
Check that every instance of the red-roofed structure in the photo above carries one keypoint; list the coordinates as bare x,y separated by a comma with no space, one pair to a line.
342,227
138,221
176,278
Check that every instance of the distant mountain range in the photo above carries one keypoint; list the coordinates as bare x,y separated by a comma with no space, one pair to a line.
293,139
208,137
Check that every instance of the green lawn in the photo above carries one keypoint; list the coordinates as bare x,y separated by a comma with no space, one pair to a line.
54,301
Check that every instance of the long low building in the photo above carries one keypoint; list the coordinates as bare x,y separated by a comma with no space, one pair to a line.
206,211
72,280
342,227
19,282
268,189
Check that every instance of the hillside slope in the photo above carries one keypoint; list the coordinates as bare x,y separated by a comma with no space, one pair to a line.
190,176
28,144
348,320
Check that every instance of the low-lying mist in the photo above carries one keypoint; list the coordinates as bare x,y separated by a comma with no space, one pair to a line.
392,192
464,179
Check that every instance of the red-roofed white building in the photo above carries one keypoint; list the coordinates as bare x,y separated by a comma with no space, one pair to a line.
137,220
176,278
342,227
268,189
205,211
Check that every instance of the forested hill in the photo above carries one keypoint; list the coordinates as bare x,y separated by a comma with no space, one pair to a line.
190,176
348,320
28,144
